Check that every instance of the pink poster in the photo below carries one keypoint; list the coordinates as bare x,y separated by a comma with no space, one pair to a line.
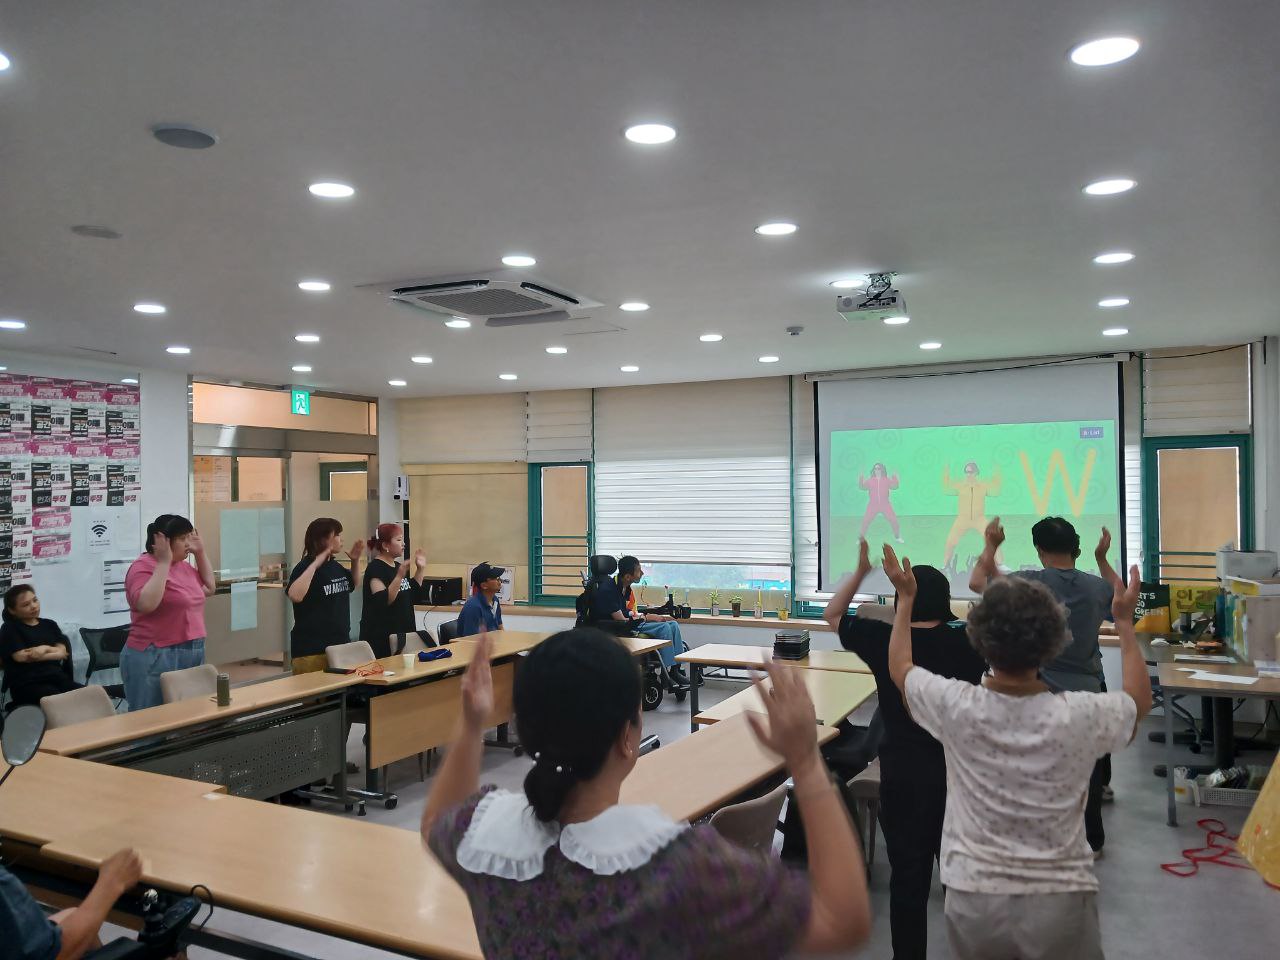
51,547
53,519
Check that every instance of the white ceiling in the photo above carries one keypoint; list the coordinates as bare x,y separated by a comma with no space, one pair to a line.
948,141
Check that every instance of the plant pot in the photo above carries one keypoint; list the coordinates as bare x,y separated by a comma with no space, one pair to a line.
715,609
737,609
784,614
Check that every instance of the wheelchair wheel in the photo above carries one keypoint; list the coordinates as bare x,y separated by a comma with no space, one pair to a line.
652,693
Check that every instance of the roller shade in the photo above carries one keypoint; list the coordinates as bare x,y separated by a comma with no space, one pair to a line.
694,472
1188,395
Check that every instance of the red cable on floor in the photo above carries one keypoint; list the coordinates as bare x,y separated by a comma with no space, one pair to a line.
1219,848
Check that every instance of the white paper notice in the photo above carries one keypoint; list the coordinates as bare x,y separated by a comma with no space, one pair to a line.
1224,678
1203,657
101,531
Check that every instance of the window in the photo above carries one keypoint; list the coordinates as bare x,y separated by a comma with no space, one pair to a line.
695,480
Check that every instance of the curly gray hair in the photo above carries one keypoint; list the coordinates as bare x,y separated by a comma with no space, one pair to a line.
1018,625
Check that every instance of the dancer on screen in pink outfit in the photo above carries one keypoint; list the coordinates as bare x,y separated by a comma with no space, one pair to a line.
878,486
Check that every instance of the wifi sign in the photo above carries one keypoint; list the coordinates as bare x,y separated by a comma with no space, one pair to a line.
99,530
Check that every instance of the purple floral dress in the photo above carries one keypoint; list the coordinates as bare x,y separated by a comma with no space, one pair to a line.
699,896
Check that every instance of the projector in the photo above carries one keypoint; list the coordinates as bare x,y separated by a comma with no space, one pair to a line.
880,301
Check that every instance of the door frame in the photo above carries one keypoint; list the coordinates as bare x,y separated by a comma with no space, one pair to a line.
1151,446
535,525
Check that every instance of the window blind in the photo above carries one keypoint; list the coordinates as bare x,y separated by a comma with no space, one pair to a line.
694,472
484,428
1187,395
558,426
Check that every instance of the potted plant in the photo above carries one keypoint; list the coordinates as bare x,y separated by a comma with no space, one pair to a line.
713,598
784,609
735,604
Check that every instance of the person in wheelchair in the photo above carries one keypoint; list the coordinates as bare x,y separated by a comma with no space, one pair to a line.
614,600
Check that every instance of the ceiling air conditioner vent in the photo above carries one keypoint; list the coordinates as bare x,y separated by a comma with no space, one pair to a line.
500,299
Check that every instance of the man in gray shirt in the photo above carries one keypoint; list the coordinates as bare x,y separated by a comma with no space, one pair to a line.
1088,602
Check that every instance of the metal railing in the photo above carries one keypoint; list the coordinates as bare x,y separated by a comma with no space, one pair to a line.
1167,570
558,562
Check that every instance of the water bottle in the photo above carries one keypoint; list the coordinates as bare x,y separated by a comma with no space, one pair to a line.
224,690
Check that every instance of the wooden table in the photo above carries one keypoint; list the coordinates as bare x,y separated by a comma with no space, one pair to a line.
745,657
360,881
835,696
52,797
93,735
697,775
1173,679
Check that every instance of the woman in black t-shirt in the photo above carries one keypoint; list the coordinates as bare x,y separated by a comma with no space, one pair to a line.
320,588
34,653
913,769
389,591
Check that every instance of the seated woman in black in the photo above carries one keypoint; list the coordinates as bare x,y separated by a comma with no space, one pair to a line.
913,772
34,653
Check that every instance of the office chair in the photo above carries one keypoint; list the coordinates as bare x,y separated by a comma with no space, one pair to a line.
751,823
105,645
76,706
448,631
201,681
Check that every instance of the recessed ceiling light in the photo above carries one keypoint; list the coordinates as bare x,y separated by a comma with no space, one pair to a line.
397,383
153,308
1107,50
2,367
633,306
1115,331
776,228
930,345
1112,302
130,380
314,286
1115,256
177,349
630,368
518,260
897,321
650,133
711,338
300,368
557,351
1105,188
11,324
5,63
848,283
457,323
769,359
332,191
307,337
507,376
421,359
183,135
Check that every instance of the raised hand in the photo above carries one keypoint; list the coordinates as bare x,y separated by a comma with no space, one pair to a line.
1104,544
994,535
864,557
792,731
477,686
356,551
161,550
900,575
1125,599
420,559
194,542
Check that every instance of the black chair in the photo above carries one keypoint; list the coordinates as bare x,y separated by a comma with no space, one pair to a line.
105,645
448,631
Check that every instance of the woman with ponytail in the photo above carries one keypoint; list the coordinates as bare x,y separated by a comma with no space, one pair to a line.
564,870
389,590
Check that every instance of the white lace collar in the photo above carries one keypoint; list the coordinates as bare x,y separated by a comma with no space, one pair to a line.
506,840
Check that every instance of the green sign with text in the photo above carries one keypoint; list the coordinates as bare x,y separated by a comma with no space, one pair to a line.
301,404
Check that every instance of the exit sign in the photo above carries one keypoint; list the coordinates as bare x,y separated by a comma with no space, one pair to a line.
301,402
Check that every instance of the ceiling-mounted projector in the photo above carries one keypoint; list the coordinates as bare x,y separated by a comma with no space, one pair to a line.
880,301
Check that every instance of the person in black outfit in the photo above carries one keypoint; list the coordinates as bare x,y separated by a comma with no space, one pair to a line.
390,592
913,772
34,653
320,588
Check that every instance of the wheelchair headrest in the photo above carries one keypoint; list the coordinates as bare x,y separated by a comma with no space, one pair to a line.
602,565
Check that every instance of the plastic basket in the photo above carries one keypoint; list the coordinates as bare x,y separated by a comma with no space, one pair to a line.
1224,796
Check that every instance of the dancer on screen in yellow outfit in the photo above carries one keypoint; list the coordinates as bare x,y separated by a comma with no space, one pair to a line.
971,510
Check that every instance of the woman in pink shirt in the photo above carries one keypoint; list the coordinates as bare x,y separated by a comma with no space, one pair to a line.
166,605
878,486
